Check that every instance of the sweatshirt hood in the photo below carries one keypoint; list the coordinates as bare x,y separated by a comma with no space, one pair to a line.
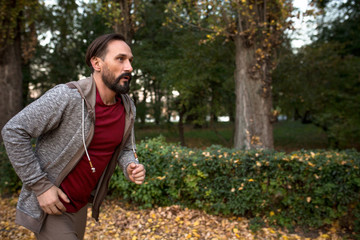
87,90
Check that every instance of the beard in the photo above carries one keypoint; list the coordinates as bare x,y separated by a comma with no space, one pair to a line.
114,83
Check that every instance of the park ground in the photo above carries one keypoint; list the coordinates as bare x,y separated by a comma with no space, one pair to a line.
288,135
119,221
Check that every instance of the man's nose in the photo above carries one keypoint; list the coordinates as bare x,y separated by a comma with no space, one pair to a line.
128,66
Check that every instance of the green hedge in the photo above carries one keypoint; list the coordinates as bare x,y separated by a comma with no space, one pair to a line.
308,188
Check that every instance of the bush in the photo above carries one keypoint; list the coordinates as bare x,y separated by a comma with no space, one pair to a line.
9,181
308,188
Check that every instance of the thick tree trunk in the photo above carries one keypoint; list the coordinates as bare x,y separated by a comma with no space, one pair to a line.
253,126
11,99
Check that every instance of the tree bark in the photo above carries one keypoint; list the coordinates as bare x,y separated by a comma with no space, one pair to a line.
253,118
181,128
125,25
181,125
10,82
157,104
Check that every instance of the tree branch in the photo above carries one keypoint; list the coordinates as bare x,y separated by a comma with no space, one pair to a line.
182,21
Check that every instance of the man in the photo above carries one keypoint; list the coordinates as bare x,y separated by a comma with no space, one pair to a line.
83,130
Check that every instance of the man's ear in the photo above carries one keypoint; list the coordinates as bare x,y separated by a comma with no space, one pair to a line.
96,63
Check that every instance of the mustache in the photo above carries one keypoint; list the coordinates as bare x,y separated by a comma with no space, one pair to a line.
124,75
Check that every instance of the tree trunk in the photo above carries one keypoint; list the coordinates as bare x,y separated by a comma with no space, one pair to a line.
10,82
141,108
125,25
213,116
181,125
168,107
253,126
157,105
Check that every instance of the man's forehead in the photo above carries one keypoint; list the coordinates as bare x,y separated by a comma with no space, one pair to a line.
119,47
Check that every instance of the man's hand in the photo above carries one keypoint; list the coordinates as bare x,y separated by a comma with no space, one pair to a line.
136,173
50,201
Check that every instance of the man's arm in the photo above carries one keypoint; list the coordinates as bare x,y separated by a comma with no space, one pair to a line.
133,171
39,117
127,155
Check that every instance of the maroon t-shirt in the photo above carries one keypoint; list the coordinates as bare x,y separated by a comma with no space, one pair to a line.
109,130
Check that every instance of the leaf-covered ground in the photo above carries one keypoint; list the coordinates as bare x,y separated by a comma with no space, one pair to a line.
120,222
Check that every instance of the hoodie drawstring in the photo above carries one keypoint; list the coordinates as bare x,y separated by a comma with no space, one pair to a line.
133,145
83,135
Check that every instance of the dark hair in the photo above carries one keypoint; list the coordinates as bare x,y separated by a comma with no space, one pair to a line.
98,48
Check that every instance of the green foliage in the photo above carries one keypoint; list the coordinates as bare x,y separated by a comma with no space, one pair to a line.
69,28
152,48
16,17
308,188
177,59
202,74
344,28
9,181
320,83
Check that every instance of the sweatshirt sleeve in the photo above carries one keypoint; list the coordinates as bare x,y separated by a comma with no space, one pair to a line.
39,117
127,155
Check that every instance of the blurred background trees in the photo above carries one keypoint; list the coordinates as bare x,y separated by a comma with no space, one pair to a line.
17,41
196,61
256,28
320,83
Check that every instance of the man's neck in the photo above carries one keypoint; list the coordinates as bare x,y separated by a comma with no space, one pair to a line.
107,95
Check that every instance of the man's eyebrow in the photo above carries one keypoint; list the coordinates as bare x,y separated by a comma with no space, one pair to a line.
124,55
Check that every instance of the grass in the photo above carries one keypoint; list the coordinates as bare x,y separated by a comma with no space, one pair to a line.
288,135
291,135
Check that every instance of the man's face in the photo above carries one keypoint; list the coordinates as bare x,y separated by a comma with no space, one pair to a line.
116,70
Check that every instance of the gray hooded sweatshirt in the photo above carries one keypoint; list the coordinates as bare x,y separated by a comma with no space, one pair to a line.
63,121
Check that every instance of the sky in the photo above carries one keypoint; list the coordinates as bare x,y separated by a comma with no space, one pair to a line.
303,28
